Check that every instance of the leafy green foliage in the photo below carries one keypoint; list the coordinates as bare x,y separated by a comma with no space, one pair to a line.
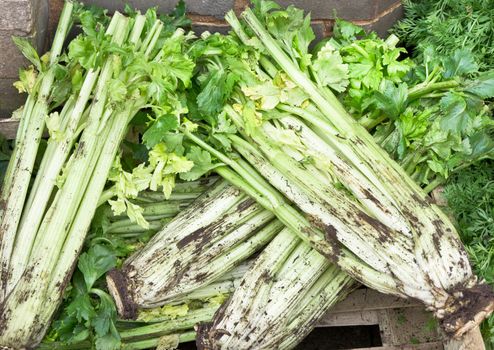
374,67
223,62
482,86
290,26
89,312
434,118
217,86
330,68
27,80
95,263
176,19
91,19
461,62
470,197
448,25
392,100
202,164
158,130
28,51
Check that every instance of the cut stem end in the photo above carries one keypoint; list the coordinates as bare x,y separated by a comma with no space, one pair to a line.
118,288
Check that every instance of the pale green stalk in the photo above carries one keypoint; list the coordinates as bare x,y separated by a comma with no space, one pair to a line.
67,226
169,339
55,221
66,110
33,214
180,323
21,166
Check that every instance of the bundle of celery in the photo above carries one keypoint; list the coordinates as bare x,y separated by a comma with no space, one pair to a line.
374,101
360,209
218,231
287,290
88,314
279,300
262,114
217,45
433,118
109,73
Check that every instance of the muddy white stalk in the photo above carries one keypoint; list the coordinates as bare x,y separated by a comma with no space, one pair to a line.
217,232
279,300
245,177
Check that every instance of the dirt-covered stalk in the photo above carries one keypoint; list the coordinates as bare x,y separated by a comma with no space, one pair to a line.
217,232
56,155
263,192
276,298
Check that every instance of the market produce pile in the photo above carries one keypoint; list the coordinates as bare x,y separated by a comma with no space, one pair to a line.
230,189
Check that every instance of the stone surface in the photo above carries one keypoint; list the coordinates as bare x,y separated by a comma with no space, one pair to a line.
23,17
214,8
200,27
319,30
27,19
16,16
41,24
346,9
383,5
10,98
382,24
11,58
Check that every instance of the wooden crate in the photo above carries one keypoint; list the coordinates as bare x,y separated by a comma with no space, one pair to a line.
403,324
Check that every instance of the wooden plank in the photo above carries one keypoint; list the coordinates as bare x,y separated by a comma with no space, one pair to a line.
470,341
361,302
427,346
8,128
367,299
353,318
407,326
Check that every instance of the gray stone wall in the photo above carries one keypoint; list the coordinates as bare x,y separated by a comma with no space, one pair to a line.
25,18
36,20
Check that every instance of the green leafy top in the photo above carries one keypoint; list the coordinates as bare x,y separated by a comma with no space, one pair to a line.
448,25
435,118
